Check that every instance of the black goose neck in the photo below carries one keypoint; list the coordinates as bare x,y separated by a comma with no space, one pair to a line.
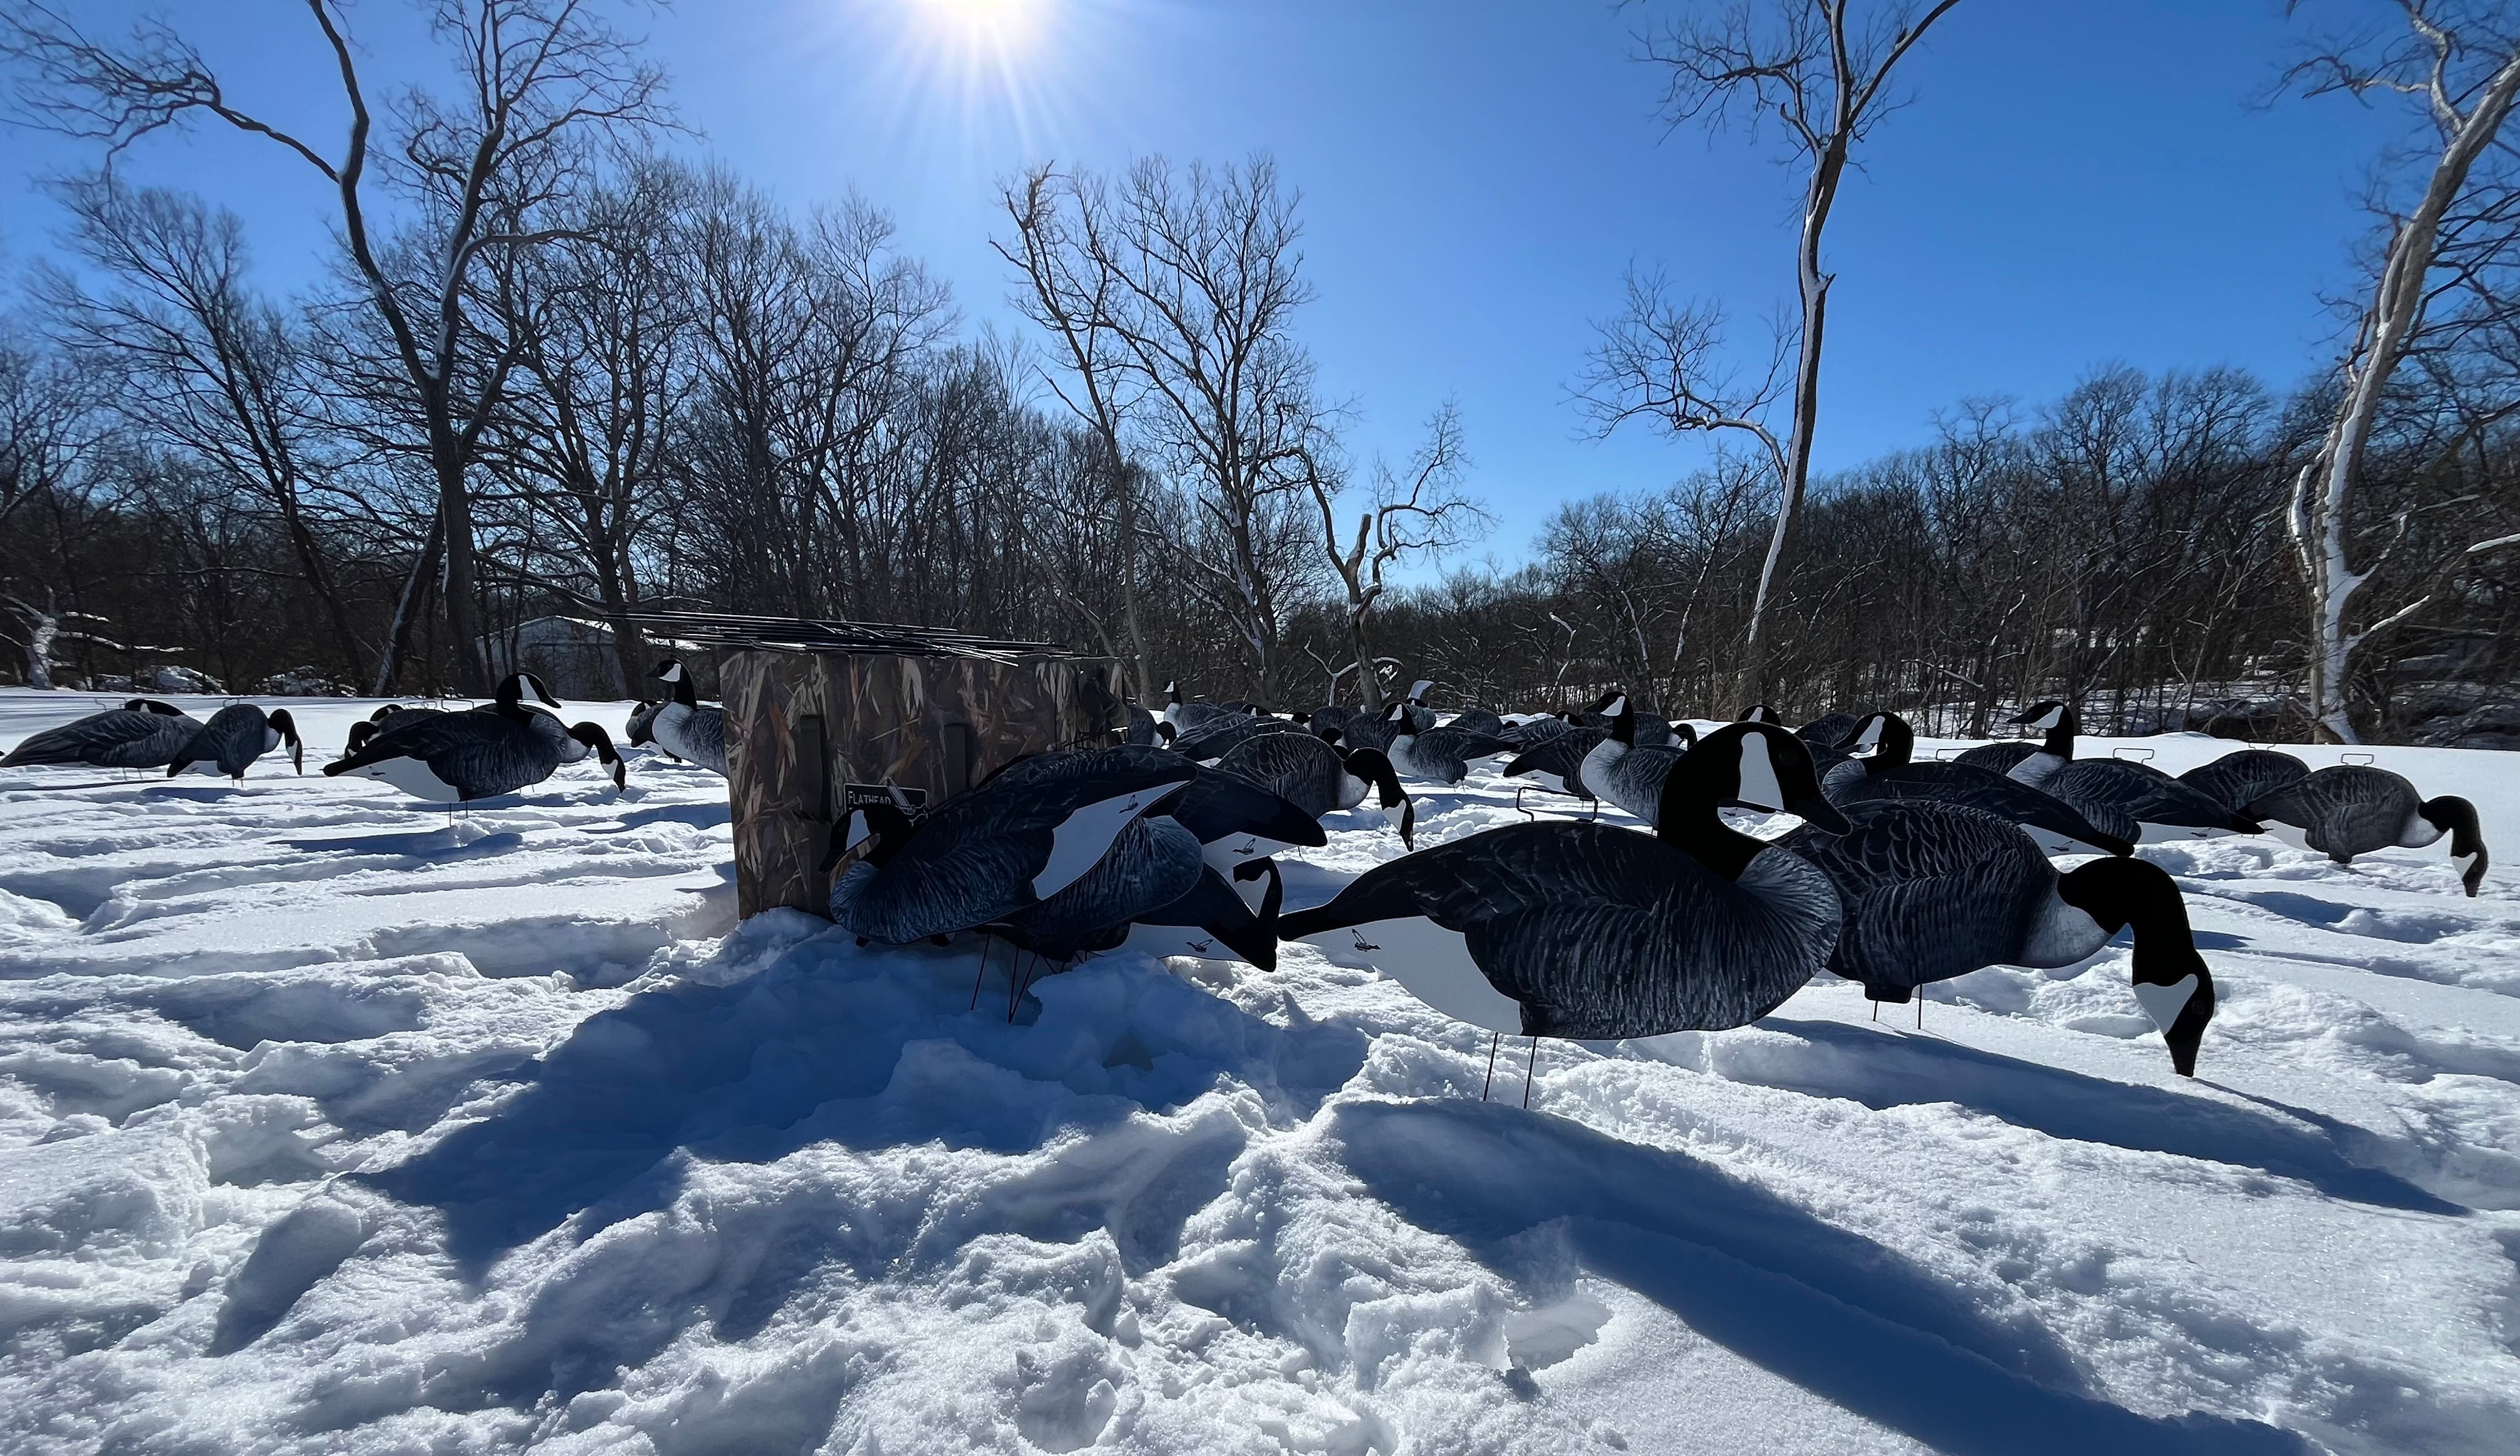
2060,738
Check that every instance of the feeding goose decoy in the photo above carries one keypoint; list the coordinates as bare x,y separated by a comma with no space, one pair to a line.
235,737
1318,778
479,753
2354,808
1630,774
1154,876
1932,891
2162,807
1889,773
141,734
1003,845
1577,930
2021,758
2235,781
1440,754
685,728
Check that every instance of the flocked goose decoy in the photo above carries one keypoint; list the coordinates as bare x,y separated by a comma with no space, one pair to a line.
391,716
1441,755
2021,758
141,734
997,848
1188,716
1318,778
1889,773
479,753
2354,808
1932,891
1478,721
685,728
1829,731
1563,929
1628,774
2236,780
1218,739
235,737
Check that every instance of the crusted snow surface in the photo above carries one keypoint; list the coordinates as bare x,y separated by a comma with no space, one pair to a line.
329,1124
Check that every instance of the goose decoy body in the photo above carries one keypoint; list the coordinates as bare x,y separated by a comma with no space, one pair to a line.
141,734
1829,731
1628,774
1440,754
1889,773
2031,763
235,737
1152,862
479,753
2161,807
395,714
2354,808
1001,847
685,728
1219,740
1477,721
1318,778
1328,717
1930,891
641,726
1140,732
1556,762
1564,929
1184,717
2235,781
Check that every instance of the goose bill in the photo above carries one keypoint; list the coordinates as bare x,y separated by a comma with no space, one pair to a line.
1433,963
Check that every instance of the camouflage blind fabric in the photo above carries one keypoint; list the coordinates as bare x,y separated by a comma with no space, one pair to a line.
803,726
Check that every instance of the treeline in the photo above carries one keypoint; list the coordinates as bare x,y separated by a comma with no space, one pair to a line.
556,372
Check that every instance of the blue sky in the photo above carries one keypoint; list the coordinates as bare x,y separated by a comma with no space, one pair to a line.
2079,181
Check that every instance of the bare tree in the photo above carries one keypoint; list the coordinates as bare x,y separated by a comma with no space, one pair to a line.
482,168
1821,74
1416,512
2459,65
201,362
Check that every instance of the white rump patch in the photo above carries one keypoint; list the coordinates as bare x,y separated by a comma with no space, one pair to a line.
1432,963
1084,837
2163,1003
413,776
1759,784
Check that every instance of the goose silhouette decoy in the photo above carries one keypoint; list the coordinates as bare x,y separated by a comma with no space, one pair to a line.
2029,763
478,753
1318,778
2235,781
1441,755
1889,773
235,737
1931,891
1578,930
141,734
1628,774
999,848
682,725
2354,808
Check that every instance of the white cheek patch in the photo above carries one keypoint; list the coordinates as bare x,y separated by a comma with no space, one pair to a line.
1871,737
2163,1003
2049,719
1759,786
859,830
1618,705
1084,837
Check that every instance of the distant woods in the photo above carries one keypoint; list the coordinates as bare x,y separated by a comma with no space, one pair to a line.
555,371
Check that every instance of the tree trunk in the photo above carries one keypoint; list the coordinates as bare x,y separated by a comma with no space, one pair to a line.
406,609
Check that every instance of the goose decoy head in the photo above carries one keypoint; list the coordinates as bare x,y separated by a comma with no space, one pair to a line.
2045,717
1417,691
2171,979
1330,735
1758,713
592,737
511,695
1757,764
280,723
1684,735
1172,693
153,705
1166,731
875,832
2456,817
360,732
1373,767
1603,703
1623,721
668,671
1883,737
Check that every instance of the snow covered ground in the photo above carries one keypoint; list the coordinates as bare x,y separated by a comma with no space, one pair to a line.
329,1125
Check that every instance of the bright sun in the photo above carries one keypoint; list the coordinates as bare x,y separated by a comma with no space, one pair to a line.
1001,20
